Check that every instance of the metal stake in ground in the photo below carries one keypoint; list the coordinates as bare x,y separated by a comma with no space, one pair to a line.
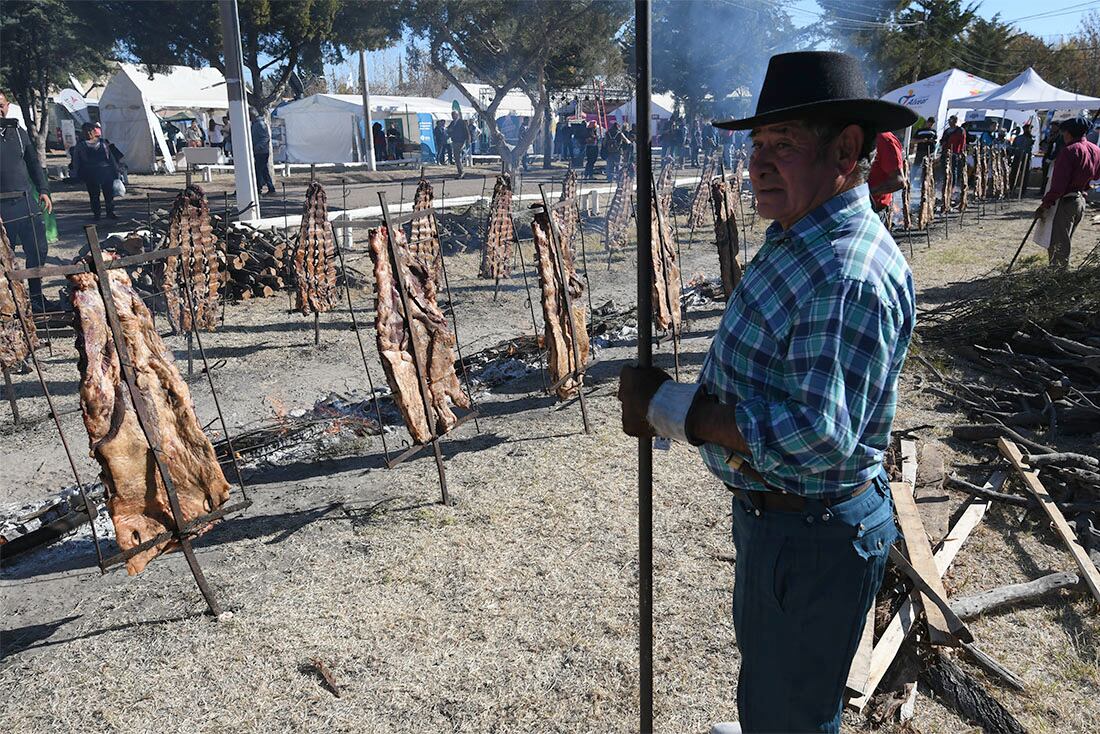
125,360
9,390
1022,243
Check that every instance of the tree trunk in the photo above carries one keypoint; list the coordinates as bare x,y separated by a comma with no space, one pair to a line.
547,141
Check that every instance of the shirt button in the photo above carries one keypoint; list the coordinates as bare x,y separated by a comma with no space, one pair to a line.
880,543
827,517
859,527
809,519
756,512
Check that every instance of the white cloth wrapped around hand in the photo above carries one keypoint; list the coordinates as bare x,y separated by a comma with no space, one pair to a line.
668,410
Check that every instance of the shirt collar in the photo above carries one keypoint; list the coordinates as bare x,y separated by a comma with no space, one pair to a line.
826,217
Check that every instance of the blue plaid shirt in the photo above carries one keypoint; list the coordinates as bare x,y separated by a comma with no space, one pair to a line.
809,349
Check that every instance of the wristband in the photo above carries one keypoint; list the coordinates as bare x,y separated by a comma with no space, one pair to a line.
668,410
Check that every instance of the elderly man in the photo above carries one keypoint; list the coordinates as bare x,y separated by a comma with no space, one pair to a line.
794,404
1077,164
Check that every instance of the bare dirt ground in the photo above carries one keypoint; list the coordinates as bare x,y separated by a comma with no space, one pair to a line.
513,610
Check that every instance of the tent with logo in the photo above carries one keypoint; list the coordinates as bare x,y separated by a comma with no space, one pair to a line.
132,101
1028,91
936,96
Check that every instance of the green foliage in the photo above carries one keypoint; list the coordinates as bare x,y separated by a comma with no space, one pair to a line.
43,43
705,50
986,49
928,39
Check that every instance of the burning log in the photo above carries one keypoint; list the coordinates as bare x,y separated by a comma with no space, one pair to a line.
927,194
559,328
618,212
425,247
197,267
496,256
701,197
723,200
314,259
427,333
666,272
136,497
13,345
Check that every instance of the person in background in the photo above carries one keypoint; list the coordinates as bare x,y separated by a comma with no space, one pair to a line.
1021,158
613,145
953,151
394,142
227,137
726,136
626,152
924,145
459,135
214,134
95,165
1052,146
685,143
675,138
261,152
887,175
591,150
378,140
1077,164
439,136
21,173
193,136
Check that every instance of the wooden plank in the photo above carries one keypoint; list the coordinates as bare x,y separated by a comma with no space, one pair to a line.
902,623
861,663
48,271
1031,478
909,463
930,595
920,555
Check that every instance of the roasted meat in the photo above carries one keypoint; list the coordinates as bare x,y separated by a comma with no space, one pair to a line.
424,246
198,267
724,199
618,211
314,257
496,257
559,344
429,336
136,498
666,272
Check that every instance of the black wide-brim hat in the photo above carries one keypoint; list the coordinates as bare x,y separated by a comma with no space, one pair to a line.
820,85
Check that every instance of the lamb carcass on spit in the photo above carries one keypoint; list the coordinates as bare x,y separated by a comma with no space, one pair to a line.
666,272
724,199
618,211
496,257
701,197
557,327
314,257
136,497
197,266
424,246
568,218
927,195
429,335
13,343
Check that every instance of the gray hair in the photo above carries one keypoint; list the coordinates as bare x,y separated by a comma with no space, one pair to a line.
827,131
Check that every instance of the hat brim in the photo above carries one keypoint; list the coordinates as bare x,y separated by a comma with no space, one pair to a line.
878,114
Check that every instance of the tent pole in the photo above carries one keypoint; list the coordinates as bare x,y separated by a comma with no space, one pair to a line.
244,170
645,359
368,132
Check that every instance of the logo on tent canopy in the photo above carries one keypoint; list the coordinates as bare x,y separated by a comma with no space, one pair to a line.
911,99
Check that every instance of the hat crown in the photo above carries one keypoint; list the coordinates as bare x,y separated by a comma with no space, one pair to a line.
806,77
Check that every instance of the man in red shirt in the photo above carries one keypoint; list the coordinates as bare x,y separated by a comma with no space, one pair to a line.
887,174
1077,164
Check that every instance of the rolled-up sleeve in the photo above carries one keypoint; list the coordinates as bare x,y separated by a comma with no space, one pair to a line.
837,363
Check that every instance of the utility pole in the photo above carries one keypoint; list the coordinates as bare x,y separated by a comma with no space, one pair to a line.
368,123
244,168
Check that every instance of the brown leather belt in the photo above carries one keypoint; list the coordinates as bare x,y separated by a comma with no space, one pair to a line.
776,501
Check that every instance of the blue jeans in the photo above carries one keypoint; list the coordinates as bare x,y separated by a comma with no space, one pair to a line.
804,582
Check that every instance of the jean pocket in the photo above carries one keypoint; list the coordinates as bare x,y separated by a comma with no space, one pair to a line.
876,541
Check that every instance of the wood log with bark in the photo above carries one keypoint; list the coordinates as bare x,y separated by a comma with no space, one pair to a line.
427,333
314,256
197,268
559,328
136,498
13,343
723,200
496,256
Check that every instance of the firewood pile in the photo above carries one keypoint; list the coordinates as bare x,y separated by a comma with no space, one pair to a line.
496,255
13,343
619,210
192,279
256,260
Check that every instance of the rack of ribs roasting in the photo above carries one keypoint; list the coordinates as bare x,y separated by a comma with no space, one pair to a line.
136,497
927,195
314,256
426,331
568,219
701,197
618,211
13,343
666,272
424,246
906,214
496,257
723,199
190,230
559,331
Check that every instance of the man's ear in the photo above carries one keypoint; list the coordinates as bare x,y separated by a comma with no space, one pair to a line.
846,149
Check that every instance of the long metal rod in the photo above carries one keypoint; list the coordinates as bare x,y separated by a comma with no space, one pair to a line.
88,506
125,360
9,389
645,359
399,281
567,299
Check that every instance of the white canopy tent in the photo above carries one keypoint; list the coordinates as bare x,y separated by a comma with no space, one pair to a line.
936,96
515,102
1028,91
660,108
324,128
130,103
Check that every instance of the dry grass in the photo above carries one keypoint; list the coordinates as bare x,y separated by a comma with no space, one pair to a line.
514,610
